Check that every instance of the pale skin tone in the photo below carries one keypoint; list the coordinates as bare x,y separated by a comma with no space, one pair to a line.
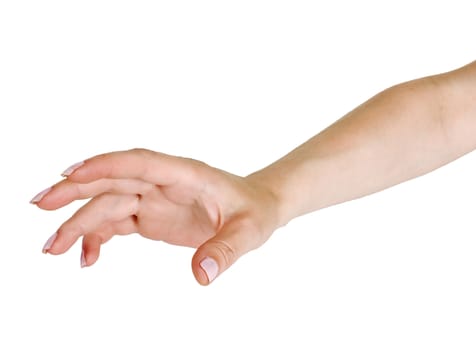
403,132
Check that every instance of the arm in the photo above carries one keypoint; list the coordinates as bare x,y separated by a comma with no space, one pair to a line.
403,132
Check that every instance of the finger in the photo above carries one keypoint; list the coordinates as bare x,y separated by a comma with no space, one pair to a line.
66,191
153,167
217,254
92,242
98,215
90,249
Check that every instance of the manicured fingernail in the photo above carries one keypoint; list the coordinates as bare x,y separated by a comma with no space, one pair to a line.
210,267
40,195
83,259
71,169
49,243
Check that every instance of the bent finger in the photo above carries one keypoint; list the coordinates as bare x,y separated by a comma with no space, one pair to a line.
99,214
92,242
90,249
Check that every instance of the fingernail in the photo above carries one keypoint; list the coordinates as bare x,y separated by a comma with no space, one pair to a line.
71,169
49,243
83,259
210,267
40,195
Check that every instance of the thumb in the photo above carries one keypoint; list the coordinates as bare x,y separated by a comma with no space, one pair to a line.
217,254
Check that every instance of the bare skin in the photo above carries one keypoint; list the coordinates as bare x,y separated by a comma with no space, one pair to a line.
403,132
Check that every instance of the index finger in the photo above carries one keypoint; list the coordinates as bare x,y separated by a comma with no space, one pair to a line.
153,167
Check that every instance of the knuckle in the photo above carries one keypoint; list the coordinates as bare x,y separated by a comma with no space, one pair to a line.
194,163
196,168
256,236
141,151
226,252
198,163
80,190
72,229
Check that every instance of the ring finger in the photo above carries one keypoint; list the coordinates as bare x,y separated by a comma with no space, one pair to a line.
96,214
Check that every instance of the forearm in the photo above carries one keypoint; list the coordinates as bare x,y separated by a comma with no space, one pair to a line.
403,132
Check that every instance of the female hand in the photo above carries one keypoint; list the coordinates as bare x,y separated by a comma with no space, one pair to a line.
176,200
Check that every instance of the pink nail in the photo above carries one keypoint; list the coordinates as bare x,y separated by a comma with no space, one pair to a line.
83,259
210,267
71,169
40,195
49,243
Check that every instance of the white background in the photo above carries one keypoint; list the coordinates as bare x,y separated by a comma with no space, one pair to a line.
236,84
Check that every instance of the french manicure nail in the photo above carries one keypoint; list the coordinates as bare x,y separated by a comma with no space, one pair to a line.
40,195
71,169
49,243
210,267
83,259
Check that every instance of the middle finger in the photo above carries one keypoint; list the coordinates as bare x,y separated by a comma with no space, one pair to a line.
66,191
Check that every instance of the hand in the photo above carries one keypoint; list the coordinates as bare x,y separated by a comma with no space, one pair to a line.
176,200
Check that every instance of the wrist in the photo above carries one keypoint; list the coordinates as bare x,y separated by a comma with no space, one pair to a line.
268,184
